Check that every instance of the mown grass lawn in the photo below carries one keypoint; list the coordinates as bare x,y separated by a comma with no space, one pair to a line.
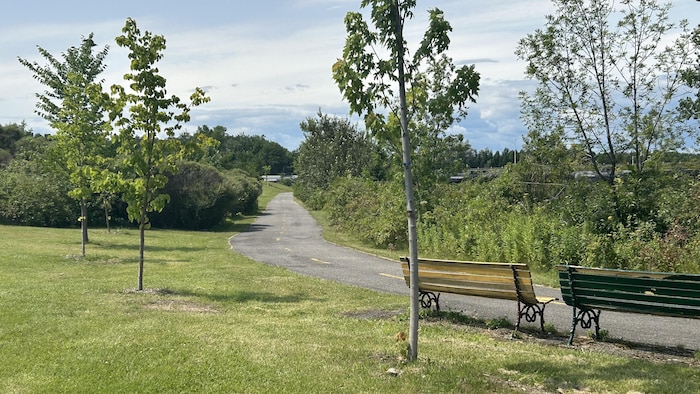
214,321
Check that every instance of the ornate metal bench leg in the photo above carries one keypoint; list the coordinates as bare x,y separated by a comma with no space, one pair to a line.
427,298
574,323
531,312
542,317
586,318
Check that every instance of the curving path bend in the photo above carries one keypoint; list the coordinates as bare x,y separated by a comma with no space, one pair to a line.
286,235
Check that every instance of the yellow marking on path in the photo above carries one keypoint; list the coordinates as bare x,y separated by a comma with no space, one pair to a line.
319,261
391,276
287,249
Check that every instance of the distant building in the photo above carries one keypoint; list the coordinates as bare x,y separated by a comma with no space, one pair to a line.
271,178
277,178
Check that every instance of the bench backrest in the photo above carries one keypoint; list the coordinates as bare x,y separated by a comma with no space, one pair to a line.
493,280
654,293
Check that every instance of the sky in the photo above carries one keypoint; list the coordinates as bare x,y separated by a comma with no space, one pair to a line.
267,64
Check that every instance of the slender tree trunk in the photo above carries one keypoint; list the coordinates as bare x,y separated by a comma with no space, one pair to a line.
142,243
410,200
142,232
104,203
83,225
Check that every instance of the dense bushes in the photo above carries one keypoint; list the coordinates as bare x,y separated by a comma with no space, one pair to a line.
34,181
374,211
31,196
201,197
498,220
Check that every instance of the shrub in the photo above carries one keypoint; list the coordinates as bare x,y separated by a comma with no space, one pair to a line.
202,197
372,210
31,196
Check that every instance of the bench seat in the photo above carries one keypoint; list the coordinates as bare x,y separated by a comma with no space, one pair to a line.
590,290
483,279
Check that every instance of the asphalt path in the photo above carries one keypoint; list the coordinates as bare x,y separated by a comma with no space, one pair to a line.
285,235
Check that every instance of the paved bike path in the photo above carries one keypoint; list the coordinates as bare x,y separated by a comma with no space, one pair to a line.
286,235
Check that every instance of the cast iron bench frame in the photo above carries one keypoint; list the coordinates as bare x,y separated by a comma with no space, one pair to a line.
590,290
508,281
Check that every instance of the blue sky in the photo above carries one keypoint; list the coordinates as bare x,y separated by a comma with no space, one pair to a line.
267,64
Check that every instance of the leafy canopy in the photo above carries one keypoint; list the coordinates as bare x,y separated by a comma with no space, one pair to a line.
369,81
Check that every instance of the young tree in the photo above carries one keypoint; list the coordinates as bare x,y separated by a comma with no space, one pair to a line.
75,105
151,114
332,148
370,84
607,80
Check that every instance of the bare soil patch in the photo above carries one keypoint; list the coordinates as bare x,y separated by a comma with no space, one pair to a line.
621,348
181,306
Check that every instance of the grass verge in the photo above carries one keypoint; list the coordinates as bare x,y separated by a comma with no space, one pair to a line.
211,320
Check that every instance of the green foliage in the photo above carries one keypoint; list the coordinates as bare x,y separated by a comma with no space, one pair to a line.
498,220
375,211
690,106
202,197
251,153
76,107
332,149
598,67
10,135
363,77
30,195
147,156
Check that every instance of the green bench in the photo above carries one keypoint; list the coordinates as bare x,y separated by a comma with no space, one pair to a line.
590,290
492,280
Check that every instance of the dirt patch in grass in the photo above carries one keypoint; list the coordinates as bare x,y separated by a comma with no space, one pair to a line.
621,348
181,306
172,304
503,330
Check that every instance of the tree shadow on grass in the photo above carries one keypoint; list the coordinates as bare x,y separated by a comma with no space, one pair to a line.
239,225
631,351
149,248
241,296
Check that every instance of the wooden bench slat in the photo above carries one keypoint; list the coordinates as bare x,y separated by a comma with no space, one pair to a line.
636,297
633,307
476,270
424,282
485,279
669,283
465,277
474,292
670,293
612,272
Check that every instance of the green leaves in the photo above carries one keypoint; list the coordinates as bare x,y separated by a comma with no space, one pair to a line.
605,75
150,114
435,40
75,105
368,81
690,107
